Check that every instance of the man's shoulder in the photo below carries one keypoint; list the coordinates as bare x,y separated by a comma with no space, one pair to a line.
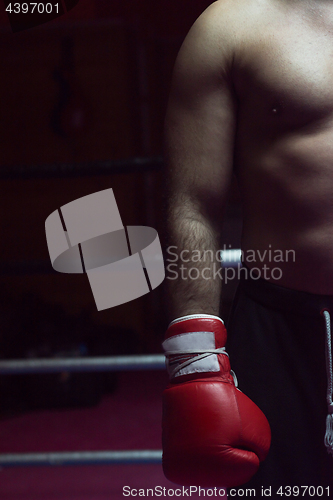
234,19
224,31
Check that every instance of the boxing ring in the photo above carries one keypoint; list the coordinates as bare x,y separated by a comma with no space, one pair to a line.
230,257
54,365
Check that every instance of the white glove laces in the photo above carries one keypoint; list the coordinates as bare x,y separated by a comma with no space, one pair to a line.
328,353
201,354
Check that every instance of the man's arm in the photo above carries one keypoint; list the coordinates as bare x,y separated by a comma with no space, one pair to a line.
200,129
213,435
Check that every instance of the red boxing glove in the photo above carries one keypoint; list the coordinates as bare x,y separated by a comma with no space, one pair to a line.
213,435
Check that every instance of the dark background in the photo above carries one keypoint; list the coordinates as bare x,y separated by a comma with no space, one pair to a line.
91,85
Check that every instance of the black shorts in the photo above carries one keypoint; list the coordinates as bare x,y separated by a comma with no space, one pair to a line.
276,344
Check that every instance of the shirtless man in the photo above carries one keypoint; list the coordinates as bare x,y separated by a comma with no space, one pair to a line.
252,94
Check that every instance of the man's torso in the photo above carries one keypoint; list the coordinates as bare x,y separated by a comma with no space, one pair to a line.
283,81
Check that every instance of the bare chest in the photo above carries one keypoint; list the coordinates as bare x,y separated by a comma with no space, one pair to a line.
284,74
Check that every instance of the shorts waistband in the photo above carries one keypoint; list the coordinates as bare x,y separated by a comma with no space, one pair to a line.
281,298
